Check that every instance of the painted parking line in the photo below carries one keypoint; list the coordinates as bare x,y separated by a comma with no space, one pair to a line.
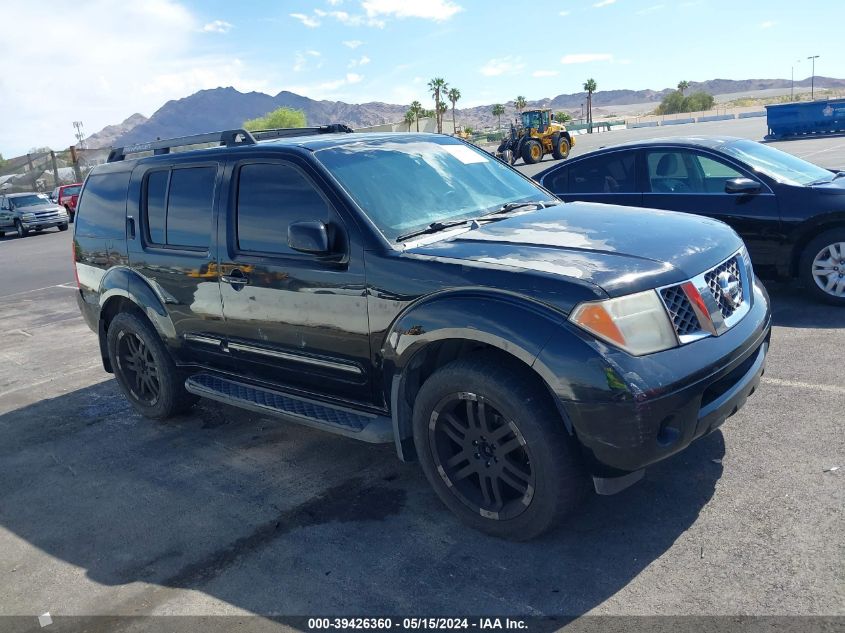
67,285
795,384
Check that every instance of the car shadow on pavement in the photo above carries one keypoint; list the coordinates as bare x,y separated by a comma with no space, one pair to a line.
278,519
793,306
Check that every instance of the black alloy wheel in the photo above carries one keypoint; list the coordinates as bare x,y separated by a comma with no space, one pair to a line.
481,456
138,368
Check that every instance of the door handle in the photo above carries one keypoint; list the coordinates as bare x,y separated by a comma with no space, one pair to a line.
236,279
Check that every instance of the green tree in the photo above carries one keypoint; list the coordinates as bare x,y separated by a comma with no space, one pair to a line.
520,103
563,117
675,103
417,109
682,86
590,88
498,111
410,117
453,95
437,86
278,118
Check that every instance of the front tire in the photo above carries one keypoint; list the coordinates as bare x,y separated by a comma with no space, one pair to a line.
560,146
822,267
62,227
22,232
145,370
494,448
532,151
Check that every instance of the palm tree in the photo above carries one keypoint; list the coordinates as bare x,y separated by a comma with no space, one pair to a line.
437,86
590,87
682,85
442,108
417,109
410,117
453,96
498,111
520,103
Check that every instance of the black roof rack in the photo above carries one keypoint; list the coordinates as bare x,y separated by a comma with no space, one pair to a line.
229,138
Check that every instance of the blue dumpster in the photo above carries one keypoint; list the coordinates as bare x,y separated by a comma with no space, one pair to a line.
810,117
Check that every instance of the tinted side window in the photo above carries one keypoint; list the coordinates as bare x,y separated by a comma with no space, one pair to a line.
668,172
557,181
610,173
270,197
156,197
102,207
189,206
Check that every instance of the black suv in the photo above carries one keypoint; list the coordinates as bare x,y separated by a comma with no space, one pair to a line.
410,288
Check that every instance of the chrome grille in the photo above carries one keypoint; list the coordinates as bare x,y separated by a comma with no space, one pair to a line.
680,309
731,267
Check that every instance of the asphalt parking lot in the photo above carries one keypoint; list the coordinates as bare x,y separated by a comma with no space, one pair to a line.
223,512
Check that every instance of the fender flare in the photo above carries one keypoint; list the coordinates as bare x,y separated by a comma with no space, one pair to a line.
513,324
125,283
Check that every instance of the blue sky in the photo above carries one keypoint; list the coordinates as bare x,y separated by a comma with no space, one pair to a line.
99,61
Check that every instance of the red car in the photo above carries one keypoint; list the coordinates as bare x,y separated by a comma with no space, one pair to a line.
66,196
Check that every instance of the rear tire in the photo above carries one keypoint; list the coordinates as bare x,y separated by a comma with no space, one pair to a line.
494,448
560,146
822,267
532,151
145,370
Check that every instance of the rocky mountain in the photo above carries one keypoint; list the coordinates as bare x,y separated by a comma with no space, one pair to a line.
109,134
226,108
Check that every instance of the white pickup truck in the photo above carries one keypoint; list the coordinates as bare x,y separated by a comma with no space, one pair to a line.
25,212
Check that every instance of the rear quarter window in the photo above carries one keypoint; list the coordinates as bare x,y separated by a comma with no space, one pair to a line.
102,207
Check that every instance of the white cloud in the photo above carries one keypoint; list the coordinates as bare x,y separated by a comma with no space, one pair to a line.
301,60
354,78
563,14
585,58
502,66
349,19
353,44
604,3
334,3
437,10
307,20
767,24
362,61
131,70
217,26
652,9
544,73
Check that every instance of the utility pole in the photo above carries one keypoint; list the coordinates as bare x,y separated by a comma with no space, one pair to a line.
79,134
813,76
77,172
55,169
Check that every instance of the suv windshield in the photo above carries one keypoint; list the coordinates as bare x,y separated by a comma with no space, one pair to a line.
71,191
30,200
405,185
783,167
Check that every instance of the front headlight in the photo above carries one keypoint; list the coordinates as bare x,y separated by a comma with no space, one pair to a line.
28,216
61,210
637,323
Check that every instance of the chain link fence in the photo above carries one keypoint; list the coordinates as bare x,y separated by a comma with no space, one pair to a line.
44,170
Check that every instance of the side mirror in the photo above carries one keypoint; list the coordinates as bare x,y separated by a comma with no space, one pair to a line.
742,186
308,237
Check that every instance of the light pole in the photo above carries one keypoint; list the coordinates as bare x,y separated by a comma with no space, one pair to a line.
813,76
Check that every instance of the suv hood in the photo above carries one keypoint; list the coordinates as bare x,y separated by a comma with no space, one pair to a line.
38,208
619,249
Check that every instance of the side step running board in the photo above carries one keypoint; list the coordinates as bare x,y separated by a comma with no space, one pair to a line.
351,423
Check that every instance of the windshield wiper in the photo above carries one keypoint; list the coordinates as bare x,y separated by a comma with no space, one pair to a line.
434,227
513,206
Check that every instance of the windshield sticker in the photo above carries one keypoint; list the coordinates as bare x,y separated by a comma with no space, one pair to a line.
464,154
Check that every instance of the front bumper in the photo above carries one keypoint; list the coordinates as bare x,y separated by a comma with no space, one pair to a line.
44,224
653,406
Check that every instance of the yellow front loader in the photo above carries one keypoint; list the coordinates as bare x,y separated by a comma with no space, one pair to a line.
535,134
